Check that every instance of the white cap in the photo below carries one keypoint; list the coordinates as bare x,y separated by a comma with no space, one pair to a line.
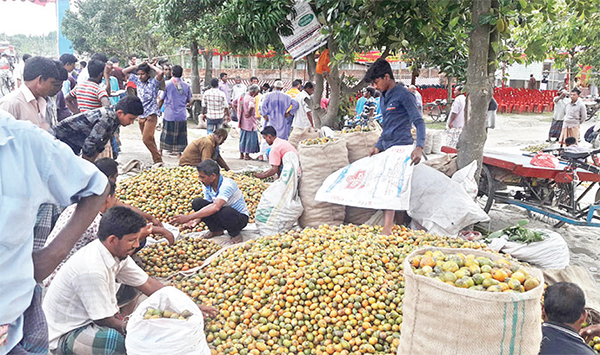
278,84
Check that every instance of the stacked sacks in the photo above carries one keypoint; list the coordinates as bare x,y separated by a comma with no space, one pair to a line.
318,161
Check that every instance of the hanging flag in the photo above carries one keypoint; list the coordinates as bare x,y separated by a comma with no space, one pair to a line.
307,36
37,2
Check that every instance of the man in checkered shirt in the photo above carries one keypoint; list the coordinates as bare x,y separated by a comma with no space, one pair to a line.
215,107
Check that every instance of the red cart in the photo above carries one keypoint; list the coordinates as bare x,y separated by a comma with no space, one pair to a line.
559,193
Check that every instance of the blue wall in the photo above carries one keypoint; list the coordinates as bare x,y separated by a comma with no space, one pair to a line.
64,45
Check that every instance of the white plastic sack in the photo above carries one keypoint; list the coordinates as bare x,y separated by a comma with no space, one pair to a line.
327,132
466,178
381,181
440,204
166,336
439,138
280,207
171,228
551,253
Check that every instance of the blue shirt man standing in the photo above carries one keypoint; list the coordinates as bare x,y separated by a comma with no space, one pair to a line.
400,113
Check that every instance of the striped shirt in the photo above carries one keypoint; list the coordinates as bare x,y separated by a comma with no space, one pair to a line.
88,95
229,192
215,102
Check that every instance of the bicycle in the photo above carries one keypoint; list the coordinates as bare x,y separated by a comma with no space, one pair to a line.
437,110
6,83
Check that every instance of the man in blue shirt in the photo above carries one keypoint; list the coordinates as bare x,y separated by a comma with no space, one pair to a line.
35,168
400,113
564,312
223,207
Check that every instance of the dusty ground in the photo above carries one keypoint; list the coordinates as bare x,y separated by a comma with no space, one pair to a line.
512,133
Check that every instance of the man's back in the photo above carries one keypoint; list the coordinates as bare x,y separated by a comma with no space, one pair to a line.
198,151
177,94
215,102
560,340
88,95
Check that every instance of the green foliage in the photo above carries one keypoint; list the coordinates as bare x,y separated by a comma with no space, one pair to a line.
34,45
249,26
569,34
115,27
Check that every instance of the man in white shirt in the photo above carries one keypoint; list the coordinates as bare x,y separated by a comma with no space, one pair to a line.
456,122
575,115
560,102
18,72
303,117
81,303
238,89
35,168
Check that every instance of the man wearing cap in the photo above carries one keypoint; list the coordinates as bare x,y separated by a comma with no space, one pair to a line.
278,110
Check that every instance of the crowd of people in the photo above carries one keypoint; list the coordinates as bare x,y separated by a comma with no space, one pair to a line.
68,281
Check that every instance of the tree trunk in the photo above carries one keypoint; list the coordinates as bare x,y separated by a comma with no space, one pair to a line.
194,75
208,58
335,82
448,96
479,89
315,100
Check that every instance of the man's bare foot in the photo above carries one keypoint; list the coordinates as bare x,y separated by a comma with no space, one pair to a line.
247,157
386,231
210,235
235,240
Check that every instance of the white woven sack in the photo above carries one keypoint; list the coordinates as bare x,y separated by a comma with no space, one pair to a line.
439,138
318,162
446,320
167,336
440,204
280,207
551,253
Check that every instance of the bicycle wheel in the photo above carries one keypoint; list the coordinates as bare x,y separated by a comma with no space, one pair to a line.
4,90
435,113
485,193
564,193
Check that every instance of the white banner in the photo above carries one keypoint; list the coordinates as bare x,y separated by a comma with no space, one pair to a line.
381,181
307,35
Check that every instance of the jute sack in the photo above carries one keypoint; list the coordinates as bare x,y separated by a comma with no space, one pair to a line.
359,144
442,319
357,215
317,163
299,134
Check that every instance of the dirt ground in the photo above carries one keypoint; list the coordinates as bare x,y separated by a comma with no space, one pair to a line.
512,133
